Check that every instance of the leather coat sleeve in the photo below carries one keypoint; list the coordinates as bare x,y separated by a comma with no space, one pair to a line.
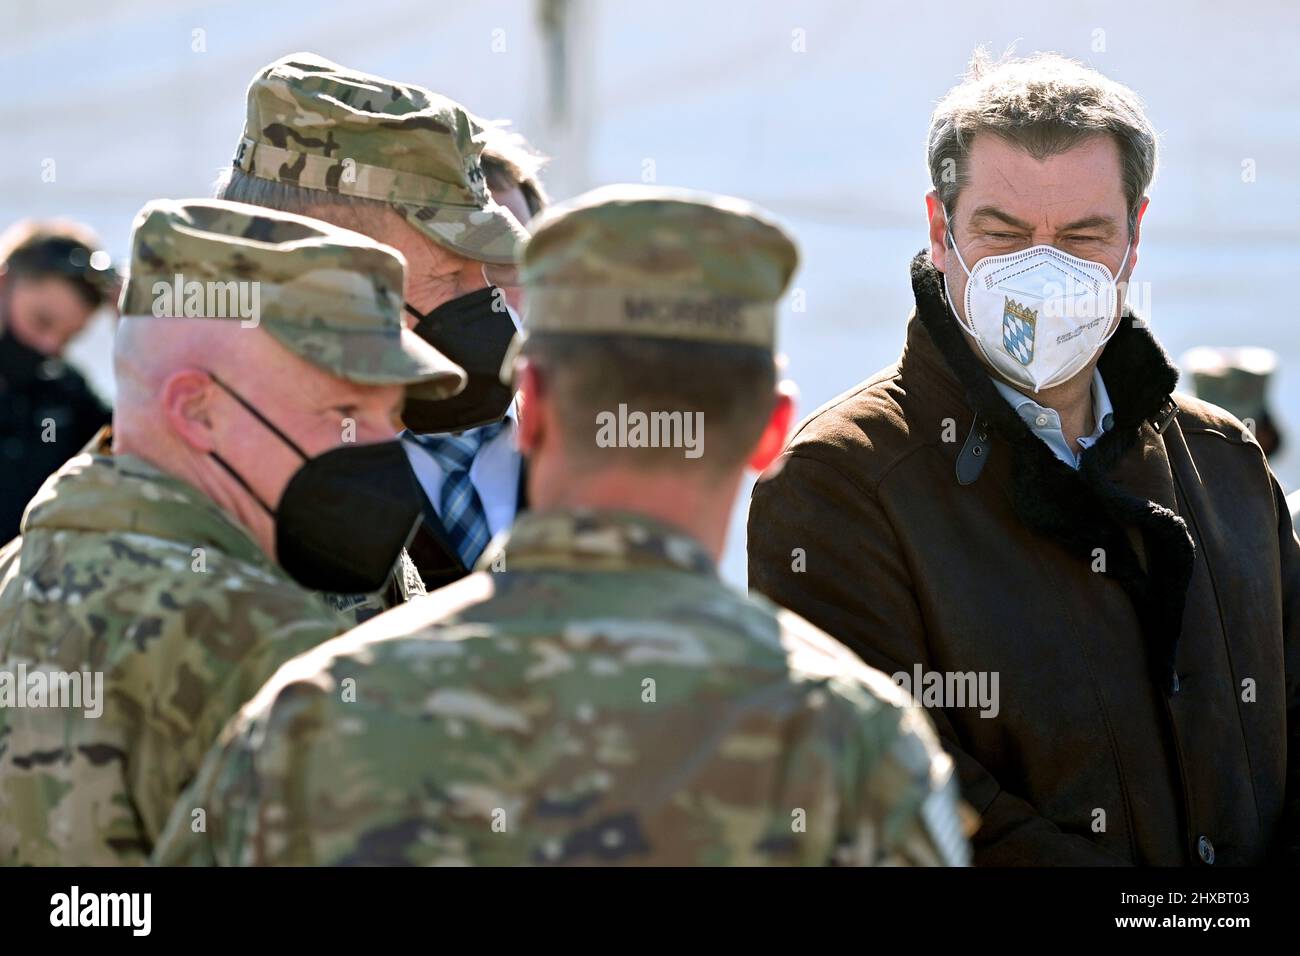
821,545
1287,844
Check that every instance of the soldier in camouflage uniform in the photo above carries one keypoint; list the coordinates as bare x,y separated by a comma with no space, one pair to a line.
147,575
594,694
405,166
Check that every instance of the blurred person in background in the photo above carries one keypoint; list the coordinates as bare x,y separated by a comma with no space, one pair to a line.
405,166
512,167
53,277
1237,379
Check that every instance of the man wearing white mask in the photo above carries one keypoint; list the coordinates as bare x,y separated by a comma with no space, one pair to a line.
1091,584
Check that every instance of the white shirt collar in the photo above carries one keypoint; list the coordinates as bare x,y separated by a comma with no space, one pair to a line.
1046,423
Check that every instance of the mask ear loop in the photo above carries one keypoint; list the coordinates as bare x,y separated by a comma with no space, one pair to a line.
498,291
952,242
259,416
947,293
424,316
1119,306
216,456
242,483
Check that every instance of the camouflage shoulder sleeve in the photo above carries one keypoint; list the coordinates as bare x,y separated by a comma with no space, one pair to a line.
263,754
900,804
317,769
907,811
214,687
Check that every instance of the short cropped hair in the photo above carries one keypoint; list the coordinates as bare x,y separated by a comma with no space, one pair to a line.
349,212
732,386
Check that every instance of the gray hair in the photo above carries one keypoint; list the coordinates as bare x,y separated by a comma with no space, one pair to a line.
1045,104
351,212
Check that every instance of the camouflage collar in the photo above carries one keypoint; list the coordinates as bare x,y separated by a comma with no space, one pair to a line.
96,491
595,541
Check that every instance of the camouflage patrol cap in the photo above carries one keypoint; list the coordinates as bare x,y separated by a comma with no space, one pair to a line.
664,263
315,124
330,295
1235,379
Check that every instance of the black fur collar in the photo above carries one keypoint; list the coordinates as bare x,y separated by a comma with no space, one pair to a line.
1083,509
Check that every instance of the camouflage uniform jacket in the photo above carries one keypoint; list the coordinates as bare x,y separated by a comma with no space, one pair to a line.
593,695
128,573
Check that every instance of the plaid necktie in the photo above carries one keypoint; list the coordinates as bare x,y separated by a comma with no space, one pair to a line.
461,510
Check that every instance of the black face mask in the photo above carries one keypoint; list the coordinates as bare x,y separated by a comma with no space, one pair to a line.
344,516
474,333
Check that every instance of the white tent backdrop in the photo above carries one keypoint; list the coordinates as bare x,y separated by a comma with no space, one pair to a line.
817,110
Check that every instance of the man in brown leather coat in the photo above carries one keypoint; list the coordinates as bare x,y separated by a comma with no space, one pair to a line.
1020,506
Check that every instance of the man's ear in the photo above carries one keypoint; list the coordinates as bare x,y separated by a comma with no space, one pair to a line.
938,230
772,442
1137,232
531,387
185,399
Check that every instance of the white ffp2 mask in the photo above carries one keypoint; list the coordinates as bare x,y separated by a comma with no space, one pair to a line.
1038,315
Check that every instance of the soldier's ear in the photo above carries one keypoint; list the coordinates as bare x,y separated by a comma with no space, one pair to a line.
772,442
1135,239
532,406
185,401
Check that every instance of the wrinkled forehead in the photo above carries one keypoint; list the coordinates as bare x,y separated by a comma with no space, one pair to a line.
1083,180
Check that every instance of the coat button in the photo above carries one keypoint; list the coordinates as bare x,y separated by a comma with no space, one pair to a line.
1206,849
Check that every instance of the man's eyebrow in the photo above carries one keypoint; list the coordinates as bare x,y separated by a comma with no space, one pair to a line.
1090,222
993,212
